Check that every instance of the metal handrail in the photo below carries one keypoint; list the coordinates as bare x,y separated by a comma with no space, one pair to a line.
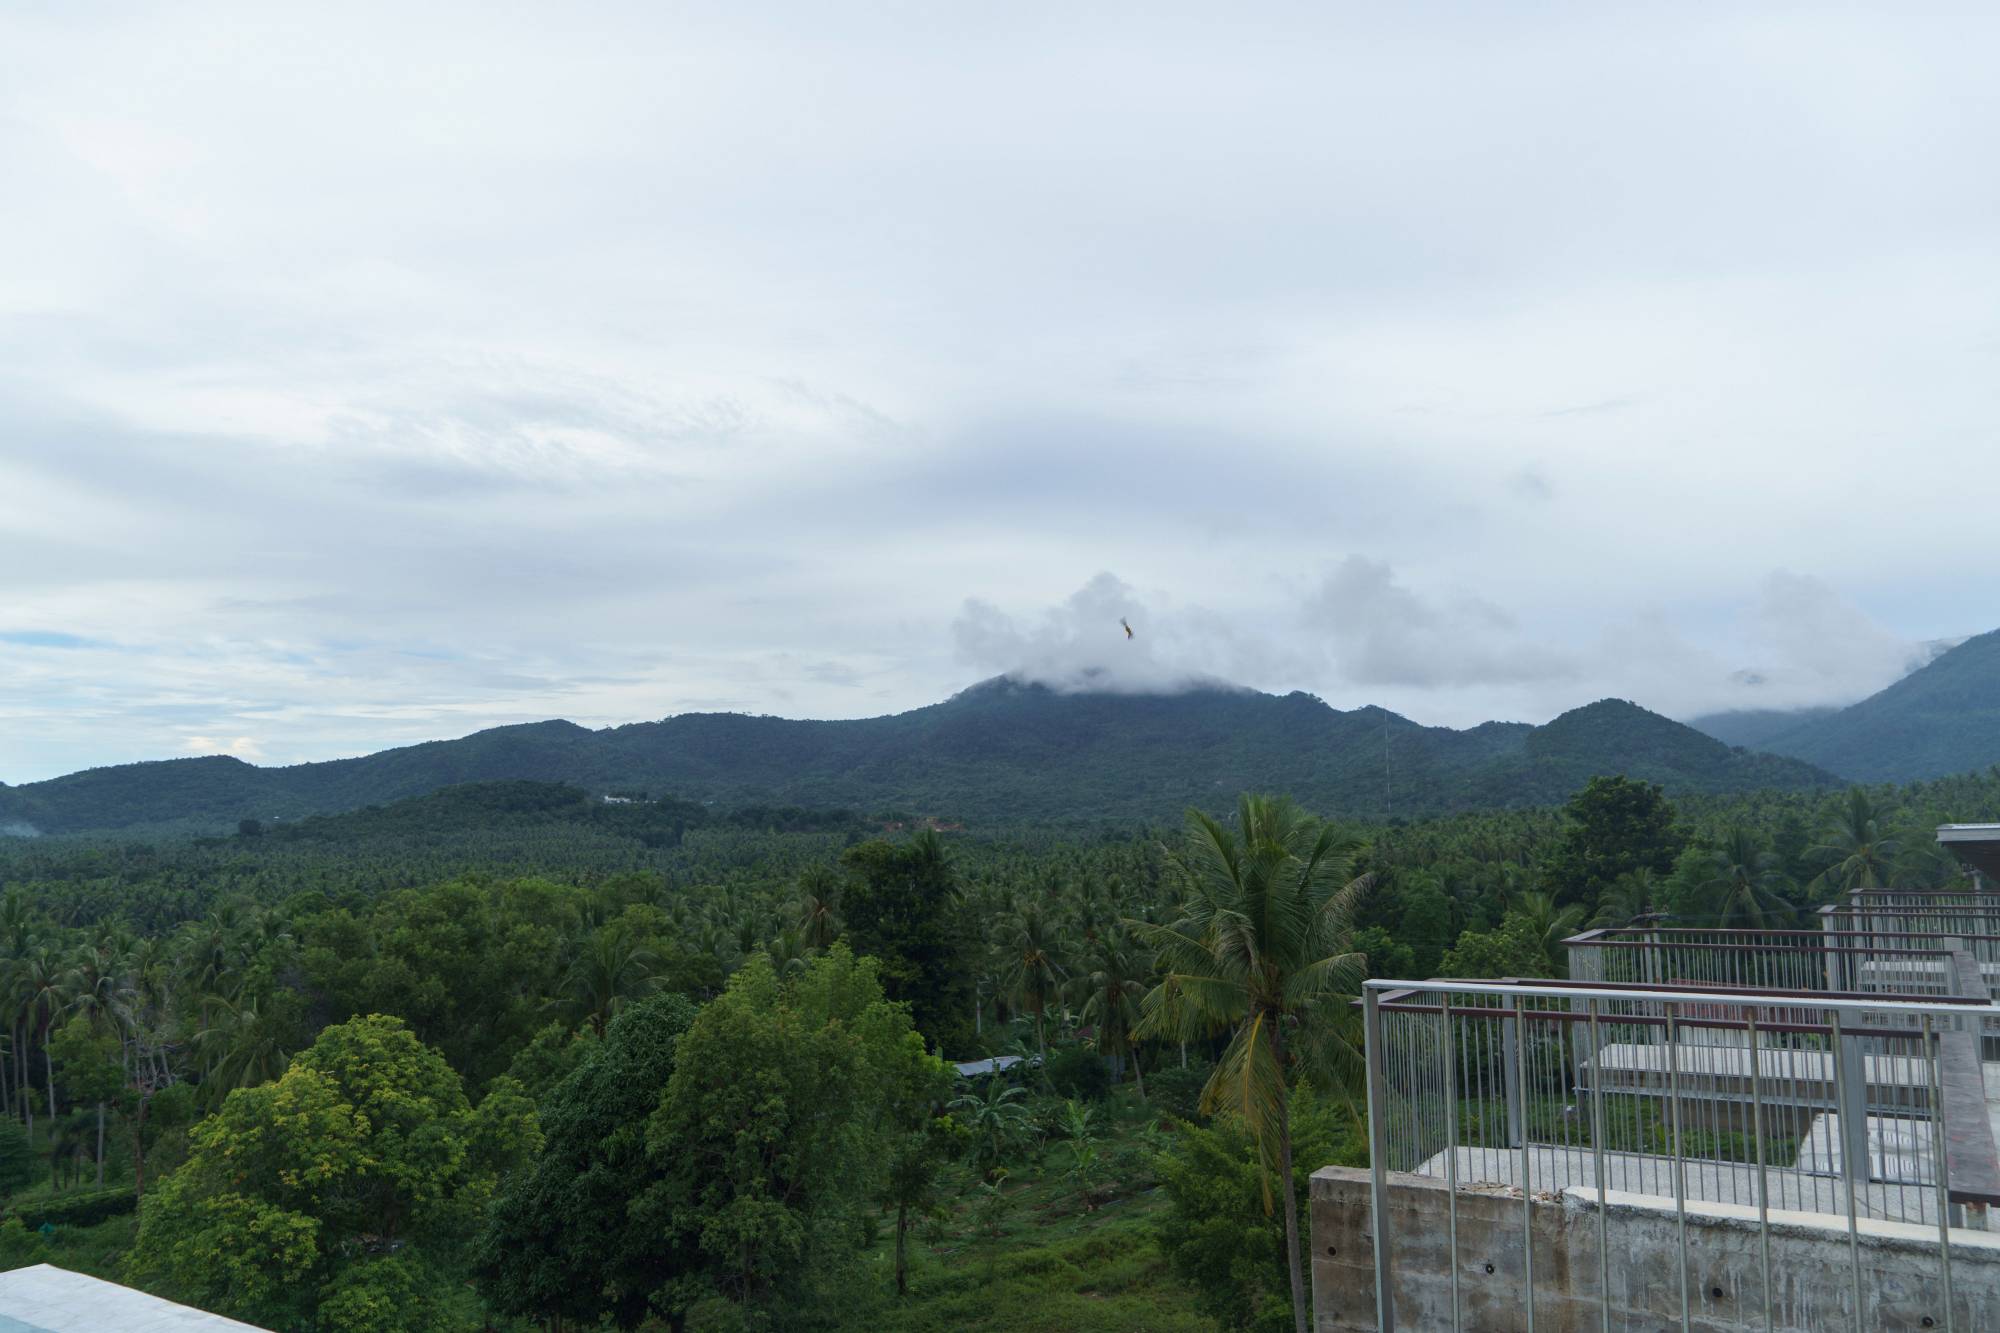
1953,1007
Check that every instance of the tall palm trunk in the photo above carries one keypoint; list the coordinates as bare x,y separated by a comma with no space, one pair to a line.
139,1145
1294,1262
100,1145
49,1067
1138,1074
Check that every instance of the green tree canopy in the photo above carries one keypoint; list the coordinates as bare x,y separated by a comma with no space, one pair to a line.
768,1142
559,1243
1613,827
902,908
333,1198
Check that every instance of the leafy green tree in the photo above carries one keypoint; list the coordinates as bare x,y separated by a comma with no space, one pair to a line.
1511,949
1613,827
1230,1252
1426,924
903,908
1264,951
339,1196
765,1142
1386,956
559,1244
93,1072
919,1138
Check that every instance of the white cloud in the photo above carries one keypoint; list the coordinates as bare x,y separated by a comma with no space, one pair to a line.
374,374
238,747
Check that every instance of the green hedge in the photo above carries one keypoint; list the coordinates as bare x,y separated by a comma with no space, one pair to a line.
76,1210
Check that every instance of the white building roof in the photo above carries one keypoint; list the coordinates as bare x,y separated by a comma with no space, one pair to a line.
47,1299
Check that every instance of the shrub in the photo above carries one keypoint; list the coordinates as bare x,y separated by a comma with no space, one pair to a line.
1177,1091
1078,1071
20,1247
77,1210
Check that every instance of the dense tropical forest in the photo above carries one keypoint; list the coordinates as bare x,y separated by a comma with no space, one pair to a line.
513,1056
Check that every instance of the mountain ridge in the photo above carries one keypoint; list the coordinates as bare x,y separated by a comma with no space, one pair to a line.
998,750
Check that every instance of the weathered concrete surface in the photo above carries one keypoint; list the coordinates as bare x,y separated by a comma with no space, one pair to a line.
1811,1283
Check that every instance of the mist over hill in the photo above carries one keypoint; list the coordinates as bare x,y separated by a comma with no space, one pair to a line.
1001,750
1942,718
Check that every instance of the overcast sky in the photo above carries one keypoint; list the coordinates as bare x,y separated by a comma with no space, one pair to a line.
373,373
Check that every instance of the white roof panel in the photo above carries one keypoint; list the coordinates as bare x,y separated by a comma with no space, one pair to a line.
47,1299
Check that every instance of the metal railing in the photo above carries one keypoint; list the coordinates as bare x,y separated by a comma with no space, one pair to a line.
1919,911
1812,960
1976,932
1802,1101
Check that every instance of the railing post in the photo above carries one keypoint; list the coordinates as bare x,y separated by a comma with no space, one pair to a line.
1527,1185
1378,1155
1763,1179
1450,1144
1940,1167
1597,1152
1680,1162
1853,1167
1510,1076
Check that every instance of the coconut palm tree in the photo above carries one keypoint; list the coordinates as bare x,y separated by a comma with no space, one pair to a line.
1110,995
1263,952
997,1115
1032,969
1548,925
609,972
818,912
1858,852
1740,887
1633,895
243,1045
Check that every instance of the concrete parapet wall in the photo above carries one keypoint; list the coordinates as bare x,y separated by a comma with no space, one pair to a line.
1812,1288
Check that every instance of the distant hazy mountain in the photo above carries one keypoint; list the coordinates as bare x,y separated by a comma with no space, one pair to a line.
1754,728
1942,718
998,751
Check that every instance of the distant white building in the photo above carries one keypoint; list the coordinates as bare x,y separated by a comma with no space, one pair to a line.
47,1299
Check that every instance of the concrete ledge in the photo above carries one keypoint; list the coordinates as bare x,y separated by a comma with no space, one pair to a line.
1811,1280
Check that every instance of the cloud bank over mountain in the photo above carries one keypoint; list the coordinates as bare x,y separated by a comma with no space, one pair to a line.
724,369
1361,634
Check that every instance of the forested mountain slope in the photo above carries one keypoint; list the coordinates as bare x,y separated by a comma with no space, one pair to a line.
998,750
1940,719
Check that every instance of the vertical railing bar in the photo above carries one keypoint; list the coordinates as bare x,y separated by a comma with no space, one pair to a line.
1378,1147
1680,1161
1527,1187
1939,1168
1451,1146
1597,1152
1763,1181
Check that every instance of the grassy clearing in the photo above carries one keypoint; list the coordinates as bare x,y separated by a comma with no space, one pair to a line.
1041,1261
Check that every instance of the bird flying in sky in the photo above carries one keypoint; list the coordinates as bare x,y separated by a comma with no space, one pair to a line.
1127,624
